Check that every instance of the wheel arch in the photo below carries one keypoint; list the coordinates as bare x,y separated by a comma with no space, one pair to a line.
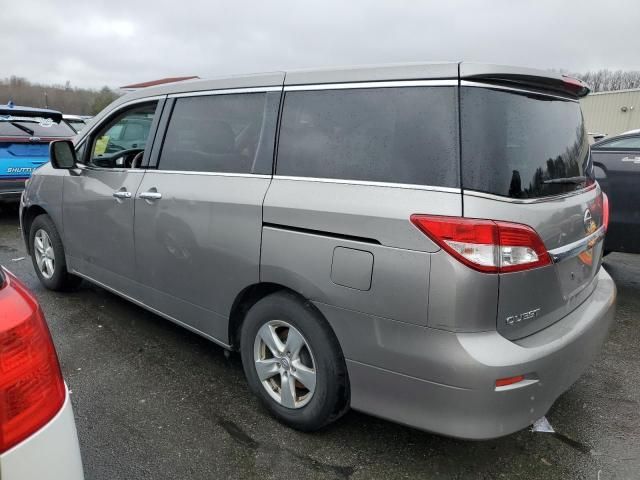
246,299
251,295
28,216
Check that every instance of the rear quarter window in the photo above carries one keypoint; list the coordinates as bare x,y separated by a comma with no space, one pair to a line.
402,135
516,144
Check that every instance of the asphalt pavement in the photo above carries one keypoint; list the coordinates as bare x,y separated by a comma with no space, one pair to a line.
154,401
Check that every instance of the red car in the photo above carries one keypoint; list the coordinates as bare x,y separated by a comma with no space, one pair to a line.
38,438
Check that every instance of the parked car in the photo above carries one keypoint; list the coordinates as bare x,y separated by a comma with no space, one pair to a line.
38,439
328,226
616,162
25,134
76,122
596,137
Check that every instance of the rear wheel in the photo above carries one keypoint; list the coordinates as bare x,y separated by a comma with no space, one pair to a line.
47,255
293,362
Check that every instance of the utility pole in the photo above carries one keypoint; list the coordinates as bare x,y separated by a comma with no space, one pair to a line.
46,100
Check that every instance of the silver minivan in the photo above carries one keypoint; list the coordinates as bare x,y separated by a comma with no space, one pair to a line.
420,242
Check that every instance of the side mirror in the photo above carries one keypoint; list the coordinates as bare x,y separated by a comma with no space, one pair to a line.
62,154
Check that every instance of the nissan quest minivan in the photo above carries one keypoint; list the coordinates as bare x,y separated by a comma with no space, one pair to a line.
419,242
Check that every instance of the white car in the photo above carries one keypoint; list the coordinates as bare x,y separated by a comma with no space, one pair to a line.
38,439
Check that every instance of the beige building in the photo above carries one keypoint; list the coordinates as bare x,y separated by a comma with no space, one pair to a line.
612,112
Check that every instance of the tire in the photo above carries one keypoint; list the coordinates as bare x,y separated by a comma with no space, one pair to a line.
54,275
320,354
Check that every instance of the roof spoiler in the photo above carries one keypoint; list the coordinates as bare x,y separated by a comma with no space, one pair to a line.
16,111
524,77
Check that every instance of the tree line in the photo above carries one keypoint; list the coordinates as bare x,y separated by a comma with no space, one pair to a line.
605,80
65,98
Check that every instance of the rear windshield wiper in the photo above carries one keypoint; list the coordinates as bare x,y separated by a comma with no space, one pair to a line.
575,180
22,127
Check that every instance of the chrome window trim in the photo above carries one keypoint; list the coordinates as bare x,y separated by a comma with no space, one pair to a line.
490,196
575,248
469,83
408,186
225,91
382,84
173,172
210,174
105,169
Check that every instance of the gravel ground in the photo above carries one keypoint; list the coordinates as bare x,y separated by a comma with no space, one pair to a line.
154,401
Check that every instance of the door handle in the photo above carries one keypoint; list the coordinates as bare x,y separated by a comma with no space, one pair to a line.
151,195
122,194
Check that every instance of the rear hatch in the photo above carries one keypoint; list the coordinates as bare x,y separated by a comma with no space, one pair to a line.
24,142
526,159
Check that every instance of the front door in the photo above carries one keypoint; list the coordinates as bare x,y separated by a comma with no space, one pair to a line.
98,204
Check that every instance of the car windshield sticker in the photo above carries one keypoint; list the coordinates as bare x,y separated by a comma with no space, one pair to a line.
101,145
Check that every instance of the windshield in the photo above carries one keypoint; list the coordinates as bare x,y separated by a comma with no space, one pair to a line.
522,145
11,126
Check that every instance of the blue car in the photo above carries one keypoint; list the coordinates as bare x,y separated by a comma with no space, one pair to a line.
25,134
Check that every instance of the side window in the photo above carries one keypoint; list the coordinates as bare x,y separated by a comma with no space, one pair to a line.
121,141
399,135
623,143
227,133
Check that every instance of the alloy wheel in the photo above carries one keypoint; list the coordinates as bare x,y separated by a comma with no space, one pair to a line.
284,363
45,256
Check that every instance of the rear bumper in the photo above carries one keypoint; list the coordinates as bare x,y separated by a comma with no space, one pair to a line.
445,382
52,453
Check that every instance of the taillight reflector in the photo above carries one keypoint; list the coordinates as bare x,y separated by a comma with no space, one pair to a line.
503,382
488,246
605,210
32,390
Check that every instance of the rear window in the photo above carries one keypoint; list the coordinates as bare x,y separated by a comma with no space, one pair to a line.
39,127
399,135
77,125
522,145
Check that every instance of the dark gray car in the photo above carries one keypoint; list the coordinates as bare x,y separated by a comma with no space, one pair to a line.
616,162
392,239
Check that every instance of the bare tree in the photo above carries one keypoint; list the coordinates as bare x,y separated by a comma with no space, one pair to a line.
605,80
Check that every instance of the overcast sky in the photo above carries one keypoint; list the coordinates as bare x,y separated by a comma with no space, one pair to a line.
94,43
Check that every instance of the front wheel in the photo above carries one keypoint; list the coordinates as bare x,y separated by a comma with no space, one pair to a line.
47,255
293,362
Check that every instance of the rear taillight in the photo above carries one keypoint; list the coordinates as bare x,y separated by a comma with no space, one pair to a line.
488,246
605,211
32,390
